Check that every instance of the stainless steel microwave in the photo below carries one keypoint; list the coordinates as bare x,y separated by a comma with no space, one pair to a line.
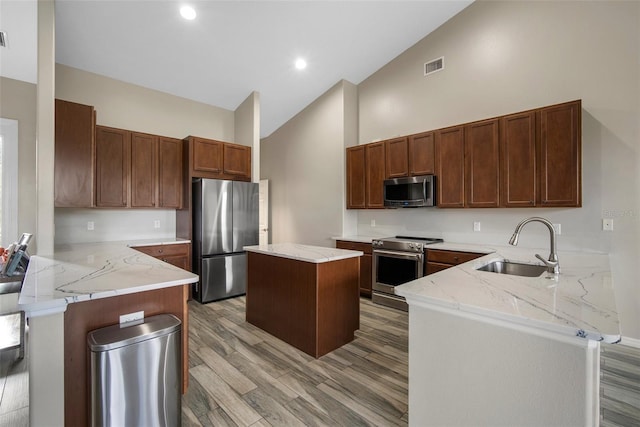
410,192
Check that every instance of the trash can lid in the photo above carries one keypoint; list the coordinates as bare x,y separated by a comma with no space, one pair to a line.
116,336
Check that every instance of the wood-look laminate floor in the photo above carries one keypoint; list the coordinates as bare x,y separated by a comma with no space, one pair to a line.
240,375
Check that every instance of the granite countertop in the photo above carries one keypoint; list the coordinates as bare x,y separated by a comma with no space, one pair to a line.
579,302
306,253
81,272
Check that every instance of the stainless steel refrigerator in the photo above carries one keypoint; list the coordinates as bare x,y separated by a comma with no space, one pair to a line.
225,219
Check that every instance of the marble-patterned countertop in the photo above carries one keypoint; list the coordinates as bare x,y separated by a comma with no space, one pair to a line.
356,238
85,271
578,302
306,253
156,242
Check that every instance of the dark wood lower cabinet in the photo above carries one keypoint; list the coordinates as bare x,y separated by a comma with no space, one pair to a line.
439,259
178,254
366,263
315,307
83,317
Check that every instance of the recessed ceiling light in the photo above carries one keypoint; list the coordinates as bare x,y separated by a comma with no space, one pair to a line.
301,64
188,12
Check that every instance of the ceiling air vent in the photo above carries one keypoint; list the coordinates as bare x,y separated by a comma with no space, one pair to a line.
434,66
3,39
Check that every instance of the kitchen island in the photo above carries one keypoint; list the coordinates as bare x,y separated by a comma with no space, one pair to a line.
491,349
308,296
79,288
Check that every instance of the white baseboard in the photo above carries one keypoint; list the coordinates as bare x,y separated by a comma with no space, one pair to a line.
631,342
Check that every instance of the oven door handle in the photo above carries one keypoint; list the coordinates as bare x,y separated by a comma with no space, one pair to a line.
401,255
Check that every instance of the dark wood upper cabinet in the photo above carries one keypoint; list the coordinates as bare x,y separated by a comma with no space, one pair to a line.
375,174
206,156
143,170
74,154
527,159
170,173
356,178
213,159
560,155
421,154
397,157
449,162
236,160
113,159
481,147
518,171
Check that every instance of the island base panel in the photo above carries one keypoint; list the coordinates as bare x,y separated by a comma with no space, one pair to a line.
83,317
498,375
313,307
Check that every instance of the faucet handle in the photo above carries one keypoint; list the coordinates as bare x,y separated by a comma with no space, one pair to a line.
552,266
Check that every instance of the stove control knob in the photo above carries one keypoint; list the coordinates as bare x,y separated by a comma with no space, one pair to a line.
411,245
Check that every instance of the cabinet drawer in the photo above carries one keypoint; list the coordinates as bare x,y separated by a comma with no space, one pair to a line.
159,251
354,246
434,267
450,257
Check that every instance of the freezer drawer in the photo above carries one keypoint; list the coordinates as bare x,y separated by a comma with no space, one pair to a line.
222,276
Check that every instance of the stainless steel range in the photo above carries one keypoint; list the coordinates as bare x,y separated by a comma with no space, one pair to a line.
397,260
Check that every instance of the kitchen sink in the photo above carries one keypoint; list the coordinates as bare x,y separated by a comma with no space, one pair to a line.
514,268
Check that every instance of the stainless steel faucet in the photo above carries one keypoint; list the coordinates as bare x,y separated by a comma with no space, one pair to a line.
553,264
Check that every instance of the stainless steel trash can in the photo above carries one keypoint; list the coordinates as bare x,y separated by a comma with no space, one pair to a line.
135,373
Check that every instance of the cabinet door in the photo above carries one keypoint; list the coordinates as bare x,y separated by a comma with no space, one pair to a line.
397,157
74,154
560,155
421,154
481,147
518,160
237,160
206,158
169,173
375,168
113,157
449,149
356,181
143,170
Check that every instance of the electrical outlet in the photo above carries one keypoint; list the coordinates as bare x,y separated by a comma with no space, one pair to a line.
90,226
558,228
131,317
156,223
373,222
476,225
607,224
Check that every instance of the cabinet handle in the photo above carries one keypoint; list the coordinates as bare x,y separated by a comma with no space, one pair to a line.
159,251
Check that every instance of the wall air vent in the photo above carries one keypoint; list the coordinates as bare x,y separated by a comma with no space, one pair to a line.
433,66
3,39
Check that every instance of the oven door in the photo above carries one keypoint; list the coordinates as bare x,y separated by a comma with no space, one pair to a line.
393,268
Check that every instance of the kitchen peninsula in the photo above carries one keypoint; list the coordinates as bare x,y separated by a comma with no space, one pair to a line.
510,350
79,288
308,296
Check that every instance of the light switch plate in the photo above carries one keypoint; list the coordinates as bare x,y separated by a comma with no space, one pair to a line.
156,223
476,226
373,222
607,224
90,226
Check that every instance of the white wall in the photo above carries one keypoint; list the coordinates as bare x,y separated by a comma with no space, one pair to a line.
503,57
123,105
247,130
18,102
304,163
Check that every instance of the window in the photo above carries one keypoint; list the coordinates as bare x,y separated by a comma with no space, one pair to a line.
8,181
